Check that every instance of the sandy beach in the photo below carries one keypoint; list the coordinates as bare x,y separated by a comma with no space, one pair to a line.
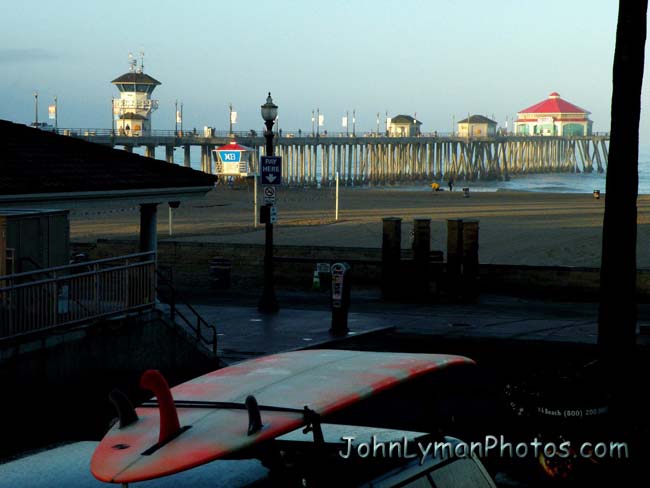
515,227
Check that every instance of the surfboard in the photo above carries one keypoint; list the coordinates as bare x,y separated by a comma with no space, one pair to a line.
237,407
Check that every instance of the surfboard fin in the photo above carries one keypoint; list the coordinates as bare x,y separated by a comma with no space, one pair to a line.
312,420
169,425
125,411
254,415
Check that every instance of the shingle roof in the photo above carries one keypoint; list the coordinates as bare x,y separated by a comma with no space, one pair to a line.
135,77
36,161
477,119
554,105
403,119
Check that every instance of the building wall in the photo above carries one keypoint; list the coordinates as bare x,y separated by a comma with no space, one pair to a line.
403,130
190,261
476,130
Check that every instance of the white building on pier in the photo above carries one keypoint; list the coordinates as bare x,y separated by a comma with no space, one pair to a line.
132,111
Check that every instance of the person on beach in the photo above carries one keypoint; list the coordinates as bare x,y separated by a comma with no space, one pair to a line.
451,184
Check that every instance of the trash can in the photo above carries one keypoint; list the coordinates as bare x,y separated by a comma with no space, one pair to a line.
596,194
220,273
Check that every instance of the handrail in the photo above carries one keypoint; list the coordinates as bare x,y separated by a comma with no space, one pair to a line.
71,276
174,311
26,306
76,265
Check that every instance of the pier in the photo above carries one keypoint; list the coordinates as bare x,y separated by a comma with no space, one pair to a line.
377,159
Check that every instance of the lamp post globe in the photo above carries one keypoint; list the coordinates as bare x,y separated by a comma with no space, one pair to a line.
269,110
269,113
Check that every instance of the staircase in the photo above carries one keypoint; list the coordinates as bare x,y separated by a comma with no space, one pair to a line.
184,315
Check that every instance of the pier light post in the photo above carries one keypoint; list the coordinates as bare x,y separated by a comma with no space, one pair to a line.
268,303
35,109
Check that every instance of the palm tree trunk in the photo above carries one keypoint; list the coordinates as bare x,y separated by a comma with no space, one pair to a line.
617,314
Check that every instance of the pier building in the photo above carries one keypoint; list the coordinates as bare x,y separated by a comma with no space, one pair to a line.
553,117
477,126
132,111
404,126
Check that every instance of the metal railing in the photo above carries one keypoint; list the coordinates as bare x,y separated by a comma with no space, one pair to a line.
212,133
76,293
196,323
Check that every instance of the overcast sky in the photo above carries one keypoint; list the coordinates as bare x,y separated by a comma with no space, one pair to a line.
437,58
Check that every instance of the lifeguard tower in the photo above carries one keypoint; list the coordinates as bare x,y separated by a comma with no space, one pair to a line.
132,111
234,160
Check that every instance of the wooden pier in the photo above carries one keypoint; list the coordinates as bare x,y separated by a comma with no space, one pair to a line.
378,160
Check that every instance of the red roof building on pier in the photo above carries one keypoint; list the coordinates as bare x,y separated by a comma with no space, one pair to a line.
553,117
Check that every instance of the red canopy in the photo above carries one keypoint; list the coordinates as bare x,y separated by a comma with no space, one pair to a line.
554,105
233,146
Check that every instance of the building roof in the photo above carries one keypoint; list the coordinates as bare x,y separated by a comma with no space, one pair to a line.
234,146
477,119
554,105
404,119
40,162
135,77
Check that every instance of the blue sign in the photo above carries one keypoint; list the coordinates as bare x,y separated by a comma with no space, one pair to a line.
230,156
271,170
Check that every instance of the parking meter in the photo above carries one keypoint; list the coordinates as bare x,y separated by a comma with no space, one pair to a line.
340,298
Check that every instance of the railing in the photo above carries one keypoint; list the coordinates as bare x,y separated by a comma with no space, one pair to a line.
196,323
200,134
76,293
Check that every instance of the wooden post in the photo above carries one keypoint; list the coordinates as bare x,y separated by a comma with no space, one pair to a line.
469,259
454,256
421,252
391,248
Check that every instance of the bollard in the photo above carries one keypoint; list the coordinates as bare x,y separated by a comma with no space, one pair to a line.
421,252
454,255
340,298
470,259
391,248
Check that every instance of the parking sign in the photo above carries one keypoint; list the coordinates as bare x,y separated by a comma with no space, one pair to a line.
271,170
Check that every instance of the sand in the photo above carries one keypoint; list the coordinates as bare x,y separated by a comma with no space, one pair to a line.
515,227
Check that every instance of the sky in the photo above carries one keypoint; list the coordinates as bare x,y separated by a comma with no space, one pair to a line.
439,59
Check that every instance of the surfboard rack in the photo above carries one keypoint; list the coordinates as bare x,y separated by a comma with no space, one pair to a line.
313,424
125,411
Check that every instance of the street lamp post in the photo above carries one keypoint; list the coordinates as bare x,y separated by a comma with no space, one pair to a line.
35,109
268,303
230,118
354,122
